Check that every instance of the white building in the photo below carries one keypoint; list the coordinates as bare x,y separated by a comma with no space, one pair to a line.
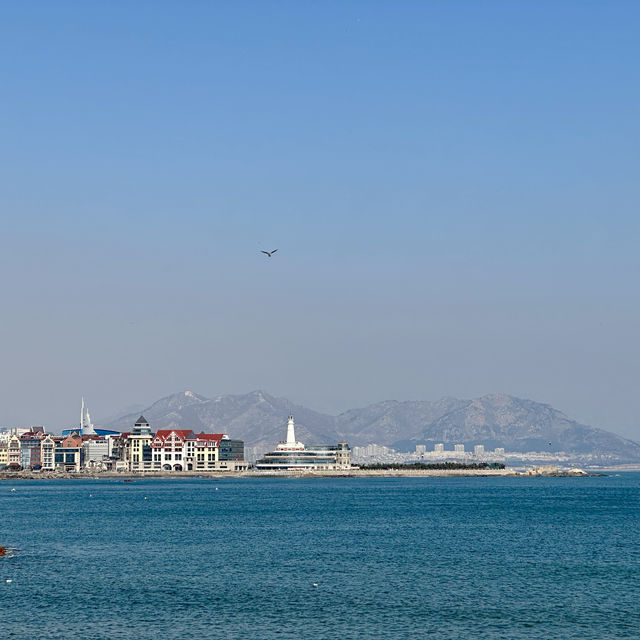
47,453
6,434
95,449
293,455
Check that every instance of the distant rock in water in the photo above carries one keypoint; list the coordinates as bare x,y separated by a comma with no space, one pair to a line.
493,420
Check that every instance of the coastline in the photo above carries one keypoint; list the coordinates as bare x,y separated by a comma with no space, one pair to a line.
338,473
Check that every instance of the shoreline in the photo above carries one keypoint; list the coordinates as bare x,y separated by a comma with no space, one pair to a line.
342,473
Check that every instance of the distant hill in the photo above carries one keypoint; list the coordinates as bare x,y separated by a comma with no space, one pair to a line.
493,420
521,425
257,418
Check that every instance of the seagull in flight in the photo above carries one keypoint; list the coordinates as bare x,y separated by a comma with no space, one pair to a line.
269,253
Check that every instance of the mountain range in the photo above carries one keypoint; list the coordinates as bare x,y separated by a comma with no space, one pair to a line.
494,420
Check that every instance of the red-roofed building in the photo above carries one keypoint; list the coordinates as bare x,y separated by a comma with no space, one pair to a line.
183,450
172,449
207,451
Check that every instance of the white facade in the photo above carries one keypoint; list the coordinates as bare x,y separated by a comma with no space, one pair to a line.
94,451
47,454
291,444
293,455
6,434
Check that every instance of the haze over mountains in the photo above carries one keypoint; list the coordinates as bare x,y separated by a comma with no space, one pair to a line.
493,420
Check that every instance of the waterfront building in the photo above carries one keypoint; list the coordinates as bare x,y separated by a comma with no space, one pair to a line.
421,449
291,454
478,450
207,451
458,448
137,446
14,454
172,449
94,451
30,448
47,453
68,454
438,448
4,454
7,432
230,449
183,450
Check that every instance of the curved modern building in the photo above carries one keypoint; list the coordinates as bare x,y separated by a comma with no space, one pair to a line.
291,455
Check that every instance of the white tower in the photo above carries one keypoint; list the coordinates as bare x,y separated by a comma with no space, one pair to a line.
291,443
291,431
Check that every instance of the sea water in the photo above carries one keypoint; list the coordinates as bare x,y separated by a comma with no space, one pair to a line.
344,558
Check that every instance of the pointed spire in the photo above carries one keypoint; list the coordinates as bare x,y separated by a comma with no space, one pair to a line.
88,429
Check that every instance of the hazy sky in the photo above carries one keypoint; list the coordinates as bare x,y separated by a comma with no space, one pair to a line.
452,188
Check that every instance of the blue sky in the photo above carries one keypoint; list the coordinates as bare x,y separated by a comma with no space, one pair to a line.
452,187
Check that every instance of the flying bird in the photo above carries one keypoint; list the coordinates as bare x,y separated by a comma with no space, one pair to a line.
269,253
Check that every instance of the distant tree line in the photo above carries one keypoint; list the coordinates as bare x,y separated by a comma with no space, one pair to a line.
439,466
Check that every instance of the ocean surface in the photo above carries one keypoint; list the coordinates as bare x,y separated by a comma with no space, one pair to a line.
459,558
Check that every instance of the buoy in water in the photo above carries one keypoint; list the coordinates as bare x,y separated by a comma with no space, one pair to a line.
9,580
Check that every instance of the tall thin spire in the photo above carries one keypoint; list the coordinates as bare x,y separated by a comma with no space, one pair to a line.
86,428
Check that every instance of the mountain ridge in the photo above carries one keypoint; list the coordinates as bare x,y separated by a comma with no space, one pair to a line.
494,420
